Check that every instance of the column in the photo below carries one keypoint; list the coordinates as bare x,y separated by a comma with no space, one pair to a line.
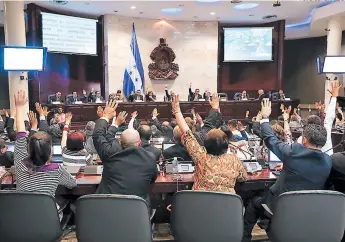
14,26
334,36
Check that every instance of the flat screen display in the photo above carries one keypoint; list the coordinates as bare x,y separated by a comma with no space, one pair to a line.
23,58
334,64
66,34
248,44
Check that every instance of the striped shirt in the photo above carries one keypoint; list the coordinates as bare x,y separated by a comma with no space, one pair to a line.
76,158
45,181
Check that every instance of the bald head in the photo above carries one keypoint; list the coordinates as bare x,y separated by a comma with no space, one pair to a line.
177,133
145,132
129,138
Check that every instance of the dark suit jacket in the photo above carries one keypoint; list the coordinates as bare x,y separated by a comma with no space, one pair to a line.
167,95
192,95
128,171
55,99
150,148
177,150
207,97
134,97
304,169
281,97
6,159
70,99
336,179
94,98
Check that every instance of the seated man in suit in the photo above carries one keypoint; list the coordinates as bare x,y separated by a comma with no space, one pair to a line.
168,96
261,94
92,95
136,97
97,97
178,150
305,167
74,98
56,98
207,95
145,137
119,97
281,95
194,96
244,95
128,169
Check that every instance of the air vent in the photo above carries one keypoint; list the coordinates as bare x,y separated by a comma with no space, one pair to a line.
269,17
60,2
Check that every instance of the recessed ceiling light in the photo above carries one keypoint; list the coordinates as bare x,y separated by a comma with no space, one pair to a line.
133,7
244,6
212,13
172,10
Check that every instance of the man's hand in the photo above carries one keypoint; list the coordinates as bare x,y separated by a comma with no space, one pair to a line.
134,115
286,115
282,107
266,108
39,109
33,120
121,118
100,112
258,116
295,111
155,113
192,112
166,86
335,89
109,110
84,92
309,108
68,118
247,114
199,119
175,105
190,85
45,111
215,101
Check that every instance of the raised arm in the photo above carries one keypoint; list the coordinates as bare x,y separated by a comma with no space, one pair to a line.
66,130
33,122
102,146
279,148
132,121
214,117
167,93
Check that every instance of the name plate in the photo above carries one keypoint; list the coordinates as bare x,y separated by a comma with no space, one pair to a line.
56,102
78,102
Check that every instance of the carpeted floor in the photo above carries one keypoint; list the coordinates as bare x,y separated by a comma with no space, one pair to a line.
162,233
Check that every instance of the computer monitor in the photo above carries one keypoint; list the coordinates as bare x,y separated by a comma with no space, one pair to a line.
167,145
57,150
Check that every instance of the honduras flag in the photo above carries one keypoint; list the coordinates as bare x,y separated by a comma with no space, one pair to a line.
133,78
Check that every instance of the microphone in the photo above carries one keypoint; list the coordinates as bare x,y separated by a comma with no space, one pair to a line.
336,146
243,151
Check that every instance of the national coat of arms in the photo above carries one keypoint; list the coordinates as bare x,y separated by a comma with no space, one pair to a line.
163,67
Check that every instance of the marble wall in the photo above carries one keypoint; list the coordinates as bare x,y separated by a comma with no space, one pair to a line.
195,45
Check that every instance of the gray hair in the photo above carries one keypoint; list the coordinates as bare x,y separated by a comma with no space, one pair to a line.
315,134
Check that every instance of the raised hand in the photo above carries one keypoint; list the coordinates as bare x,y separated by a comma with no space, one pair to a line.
247,114
84,92
33,120
258,116
134,114
240,126
109,110
121,118
39,109
198,119
193,112
175,105
266,108
45,111
286,114
20,99
100,112
215,101
155,113
68,118
282,107
335,89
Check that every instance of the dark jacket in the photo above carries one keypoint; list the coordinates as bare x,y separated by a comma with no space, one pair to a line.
134,97
167,96
192,95
94,98
6,159
55,99
71,100
128,171
152,149
177,150
336,179
304,169
54,130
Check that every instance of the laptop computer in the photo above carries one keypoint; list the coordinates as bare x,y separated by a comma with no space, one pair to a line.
167,145
57,154
10,146
273,160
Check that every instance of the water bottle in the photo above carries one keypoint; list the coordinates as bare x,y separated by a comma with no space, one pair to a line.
175,166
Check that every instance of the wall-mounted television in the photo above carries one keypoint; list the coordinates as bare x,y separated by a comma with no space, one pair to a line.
17,58
248,44
70,35
334,64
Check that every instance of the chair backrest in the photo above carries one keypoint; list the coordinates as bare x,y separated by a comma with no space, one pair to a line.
115,218
223,96
274,96
237,96
29,217
316,216
67,96
49,97
199,216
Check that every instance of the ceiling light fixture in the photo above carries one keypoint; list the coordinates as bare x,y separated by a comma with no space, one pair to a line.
212,13
133,7
244,6
172,10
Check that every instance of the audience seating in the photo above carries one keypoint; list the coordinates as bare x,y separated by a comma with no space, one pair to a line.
68,96
315,216
29,217
49,97
223,97
113,218
237,96
200,216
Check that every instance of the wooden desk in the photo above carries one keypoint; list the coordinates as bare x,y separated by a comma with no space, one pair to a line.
82,113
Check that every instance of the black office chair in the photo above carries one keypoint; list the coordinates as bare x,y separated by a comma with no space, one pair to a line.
316,216
223,97
275,96
237,96
67,97
199,216
29,217
113,218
